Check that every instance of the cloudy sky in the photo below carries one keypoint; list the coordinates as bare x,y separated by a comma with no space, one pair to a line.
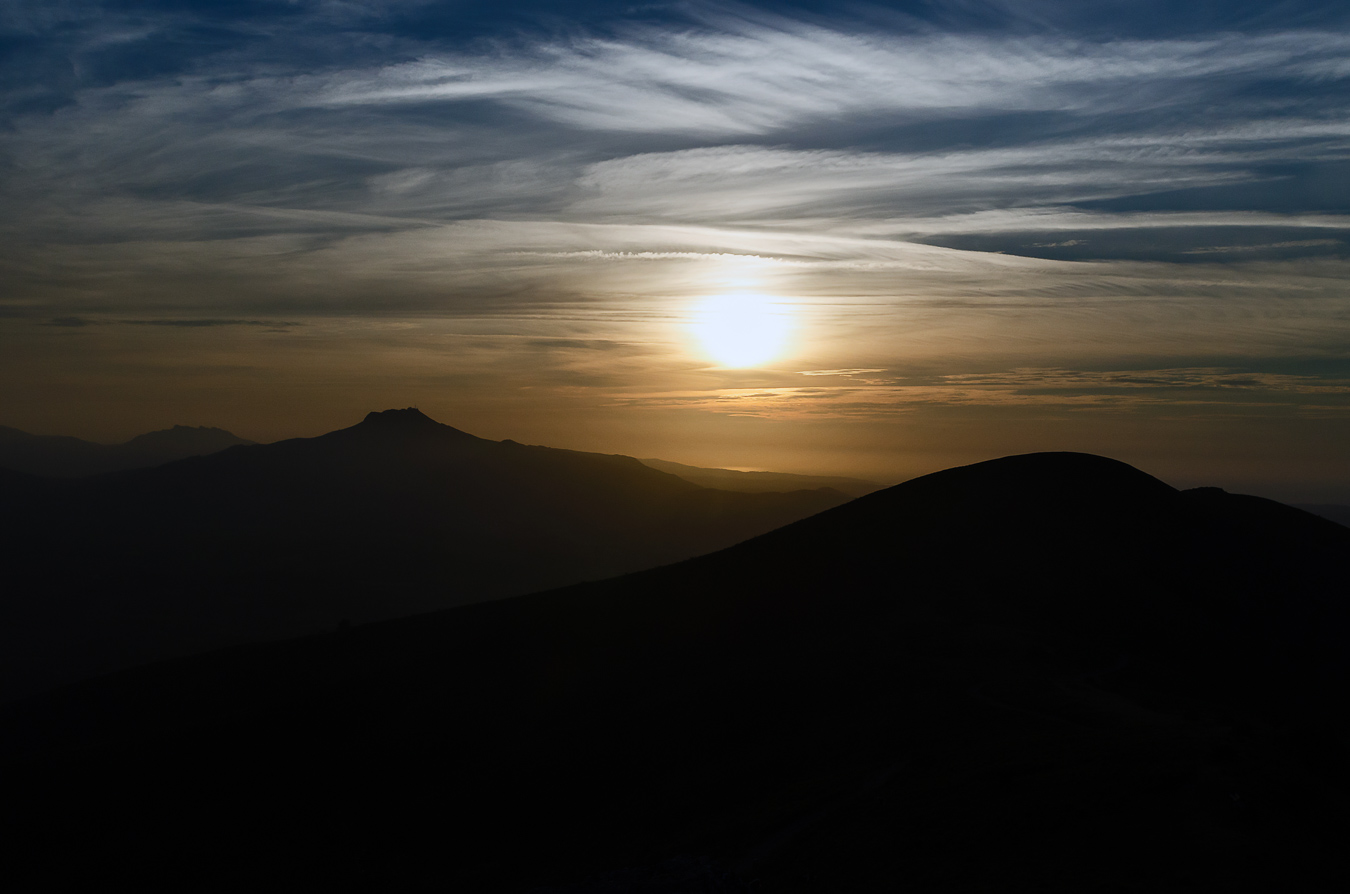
869,239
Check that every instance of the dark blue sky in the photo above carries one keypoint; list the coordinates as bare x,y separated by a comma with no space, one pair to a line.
1068,222
1171,69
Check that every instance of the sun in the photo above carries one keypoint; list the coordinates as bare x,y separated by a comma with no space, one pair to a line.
741,329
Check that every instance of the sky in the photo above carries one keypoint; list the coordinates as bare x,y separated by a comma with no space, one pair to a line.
861,239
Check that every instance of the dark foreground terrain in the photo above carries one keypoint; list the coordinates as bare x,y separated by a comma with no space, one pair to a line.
1045,673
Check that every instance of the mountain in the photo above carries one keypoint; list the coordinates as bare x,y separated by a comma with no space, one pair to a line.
1048,672
179,442
396,515
762,482
65,457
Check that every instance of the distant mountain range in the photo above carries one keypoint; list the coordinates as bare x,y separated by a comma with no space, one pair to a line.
1049,672
396,515
65,457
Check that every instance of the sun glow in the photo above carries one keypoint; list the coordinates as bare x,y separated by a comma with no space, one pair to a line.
742,328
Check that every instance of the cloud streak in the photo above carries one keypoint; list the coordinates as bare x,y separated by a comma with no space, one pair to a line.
1133,391
419,139
209,323
754,77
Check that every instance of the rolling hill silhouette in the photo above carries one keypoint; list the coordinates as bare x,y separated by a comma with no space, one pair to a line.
1048,672
65,457
395,515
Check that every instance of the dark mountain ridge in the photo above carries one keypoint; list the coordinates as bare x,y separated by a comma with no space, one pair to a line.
395,515
1047,672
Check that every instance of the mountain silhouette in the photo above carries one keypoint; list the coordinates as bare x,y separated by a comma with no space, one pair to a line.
1048,672
395,515
65,457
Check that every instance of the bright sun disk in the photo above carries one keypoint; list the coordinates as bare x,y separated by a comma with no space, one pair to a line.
741,329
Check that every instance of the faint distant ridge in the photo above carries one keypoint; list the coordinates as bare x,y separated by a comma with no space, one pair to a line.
59,456
762,482
180,442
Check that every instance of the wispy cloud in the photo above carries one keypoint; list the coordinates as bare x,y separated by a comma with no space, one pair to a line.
1135,390
209,323
1230,249
916,126
1062,380
753,77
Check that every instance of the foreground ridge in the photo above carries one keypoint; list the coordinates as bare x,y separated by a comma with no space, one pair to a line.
1051,668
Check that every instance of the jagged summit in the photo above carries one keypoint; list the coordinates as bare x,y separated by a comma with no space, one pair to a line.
406,418
408,421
